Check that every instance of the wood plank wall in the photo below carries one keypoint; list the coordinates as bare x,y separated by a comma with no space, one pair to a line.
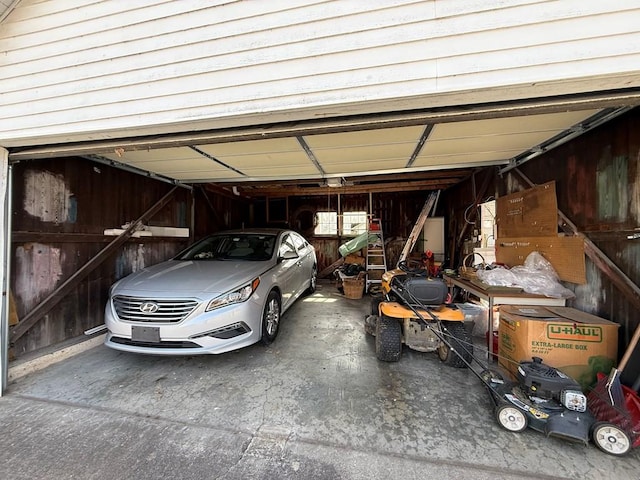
597,179
598,187
398,213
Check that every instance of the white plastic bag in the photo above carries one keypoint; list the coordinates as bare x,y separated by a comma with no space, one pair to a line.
536,276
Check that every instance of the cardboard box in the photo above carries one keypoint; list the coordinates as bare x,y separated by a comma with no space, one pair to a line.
528,213
354,259
527,221
577,343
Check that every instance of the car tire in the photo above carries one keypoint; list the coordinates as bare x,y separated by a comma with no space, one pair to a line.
388,339
459,338
271,318
313,281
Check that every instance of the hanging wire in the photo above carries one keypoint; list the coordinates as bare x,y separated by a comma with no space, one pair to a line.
466,214
478,207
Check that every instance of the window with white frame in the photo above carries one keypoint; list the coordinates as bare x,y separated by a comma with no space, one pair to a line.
351,224
326,223
354,223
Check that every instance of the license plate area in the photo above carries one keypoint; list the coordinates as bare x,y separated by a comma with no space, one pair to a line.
145,334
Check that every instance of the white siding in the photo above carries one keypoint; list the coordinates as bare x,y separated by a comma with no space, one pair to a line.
89,69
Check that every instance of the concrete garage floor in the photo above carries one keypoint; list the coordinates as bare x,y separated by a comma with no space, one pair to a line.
316,404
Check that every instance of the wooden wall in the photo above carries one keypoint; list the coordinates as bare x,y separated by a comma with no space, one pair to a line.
398,213
597,179
598,187
60,210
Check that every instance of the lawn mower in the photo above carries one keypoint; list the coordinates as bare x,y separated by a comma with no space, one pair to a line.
540,397
543,399
395,318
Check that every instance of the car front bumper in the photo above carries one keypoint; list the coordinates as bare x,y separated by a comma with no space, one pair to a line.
218,331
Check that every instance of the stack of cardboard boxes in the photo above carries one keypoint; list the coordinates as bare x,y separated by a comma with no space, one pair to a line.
577,343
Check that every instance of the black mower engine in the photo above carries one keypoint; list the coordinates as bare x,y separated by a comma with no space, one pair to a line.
539,380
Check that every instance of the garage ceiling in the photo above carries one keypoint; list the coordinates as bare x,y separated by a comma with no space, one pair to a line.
281,160
342,159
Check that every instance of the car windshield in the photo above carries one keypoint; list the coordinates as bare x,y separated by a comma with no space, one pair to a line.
239,246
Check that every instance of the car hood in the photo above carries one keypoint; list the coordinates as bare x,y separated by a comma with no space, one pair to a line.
192,277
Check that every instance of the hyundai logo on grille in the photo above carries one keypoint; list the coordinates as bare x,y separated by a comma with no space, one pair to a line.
149,307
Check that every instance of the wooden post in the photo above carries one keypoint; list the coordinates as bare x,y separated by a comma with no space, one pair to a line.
5,235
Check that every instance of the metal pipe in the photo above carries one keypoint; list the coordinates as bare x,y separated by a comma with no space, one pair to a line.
564,137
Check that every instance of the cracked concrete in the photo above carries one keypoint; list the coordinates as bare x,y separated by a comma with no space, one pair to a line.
315,404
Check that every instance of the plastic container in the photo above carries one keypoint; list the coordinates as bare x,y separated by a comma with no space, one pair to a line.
476,314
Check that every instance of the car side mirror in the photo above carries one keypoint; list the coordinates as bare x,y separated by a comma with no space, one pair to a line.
288,255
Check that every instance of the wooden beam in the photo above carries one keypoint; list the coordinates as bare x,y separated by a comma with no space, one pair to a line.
622,282
59,293
59,237
351,190
224,191
452,173
329,270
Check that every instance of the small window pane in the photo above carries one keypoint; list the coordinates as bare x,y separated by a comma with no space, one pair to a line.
326,223
354,223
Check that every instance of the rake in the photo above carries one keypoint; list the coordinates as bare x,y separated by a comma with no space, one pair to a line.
613,385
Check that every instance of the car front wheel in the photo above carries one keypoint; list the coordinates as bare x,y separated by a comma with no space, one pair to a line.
271,318
313,281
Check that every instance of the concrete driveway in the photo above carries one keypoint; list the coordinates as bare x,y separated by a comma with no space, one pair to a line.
316,404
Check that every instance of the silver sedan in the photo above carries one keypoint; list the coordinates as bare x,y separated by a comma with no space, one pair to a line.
225,292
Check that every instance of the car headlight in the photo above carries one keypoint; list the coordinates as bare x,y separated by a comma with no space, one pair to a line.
240,295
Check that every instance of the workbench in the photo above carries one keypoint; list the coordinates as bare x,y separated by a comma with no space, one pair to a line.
500,297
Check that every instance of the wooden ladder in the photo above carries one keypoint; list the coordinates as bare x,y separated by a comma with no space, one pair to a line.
429,205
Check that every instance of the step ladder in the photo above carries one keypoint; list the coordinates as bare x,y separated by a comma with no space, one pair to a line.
429,205
376,260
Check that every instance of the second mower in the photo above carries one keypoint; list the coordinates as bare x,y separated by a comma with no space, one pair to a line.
394,321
